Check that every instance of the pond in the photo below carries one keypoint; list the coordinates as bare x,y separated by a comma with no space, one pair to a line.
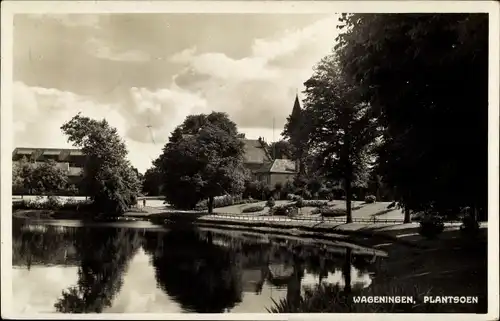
139,268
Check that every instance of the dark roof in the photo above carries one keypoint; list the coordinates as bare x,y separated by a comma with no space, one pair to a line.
282,166
37,152
255,152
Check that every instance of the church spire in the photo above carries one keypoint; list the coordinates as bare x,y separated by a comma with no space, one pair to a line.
296,106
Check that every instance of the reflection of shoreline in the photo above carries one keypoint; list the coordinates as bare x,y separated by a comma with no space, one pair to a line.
236,268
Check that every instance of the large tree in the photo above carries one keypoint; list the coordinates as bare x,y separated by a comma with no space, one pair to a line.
108,177
202,164
427,76
342,128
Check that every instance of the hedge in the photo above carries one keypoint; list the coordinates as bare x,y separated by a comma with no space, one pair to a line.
53,203
223,201
314,203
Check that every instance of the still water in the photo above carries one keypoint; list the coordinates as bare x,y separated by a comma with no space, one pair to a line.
139,269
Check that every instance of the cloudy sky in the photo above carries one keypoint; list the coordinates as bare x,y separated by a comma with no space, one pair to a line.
154,69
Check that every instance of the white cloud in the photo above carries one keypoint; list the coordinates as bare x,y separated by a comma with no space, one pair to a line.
253,90
319,35
40,112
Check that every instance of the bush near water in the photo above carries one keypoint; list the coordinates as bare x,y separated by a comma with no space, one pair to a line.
53,203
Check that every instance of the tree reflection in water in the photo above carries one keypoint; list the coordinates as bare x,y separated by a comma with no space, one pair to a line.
202,271
104,254
201,276
38,244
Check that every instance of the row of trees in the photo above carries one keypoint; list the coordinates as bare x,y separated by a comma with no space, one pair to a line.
403,101
40,179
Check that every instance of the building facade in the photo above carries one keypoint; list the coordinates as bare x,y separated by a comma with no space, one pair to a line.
69,160
278,171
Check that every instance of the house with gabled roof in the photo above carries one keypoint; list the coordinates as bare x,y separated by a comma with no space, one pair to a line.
256,154
278,171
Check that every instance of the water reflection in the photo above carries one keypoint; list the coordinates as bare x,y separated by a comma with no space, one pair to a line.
186,270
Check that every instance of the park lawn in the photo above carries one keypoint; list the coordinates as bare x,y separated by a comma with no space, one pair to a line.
361,209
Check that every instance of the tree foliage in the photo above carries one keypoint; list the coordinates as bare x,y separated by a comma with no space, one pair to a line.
281,149
152,182
38,178
427,77
342,128
201,276
203,165
108,177
48,178
103,259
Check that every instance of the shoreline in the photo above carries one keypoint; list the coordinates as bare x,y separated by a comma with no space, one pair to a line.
365,234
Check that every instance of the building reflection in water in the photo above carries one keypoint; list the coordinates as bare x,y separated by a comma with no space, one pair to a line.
202,271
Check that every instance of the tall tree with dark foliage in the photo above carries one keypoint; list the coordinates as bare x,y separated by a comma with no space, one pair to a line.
205,163
342,128
427,77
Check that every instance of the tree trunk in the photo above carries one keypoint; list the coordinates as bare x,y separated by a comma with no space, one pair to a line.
348,199
210,205
407,215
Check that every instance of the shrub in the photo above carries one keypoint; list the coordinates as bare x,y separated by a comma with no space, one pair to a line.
431,226
253,209
370,199
284,210
270,202
222,201
316,210
314,203
27,205
332,212
254,189
288,188
53,203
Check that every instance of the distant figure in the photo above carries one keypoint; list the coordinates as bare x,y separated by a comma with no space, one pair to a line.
144,203
391,205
